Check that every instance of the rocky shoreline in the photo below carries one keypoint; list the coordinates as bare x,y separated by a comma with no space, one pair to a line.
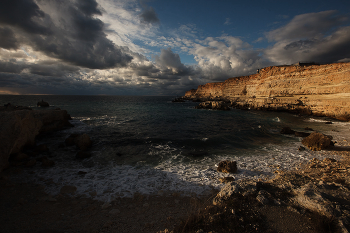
313,198
19,127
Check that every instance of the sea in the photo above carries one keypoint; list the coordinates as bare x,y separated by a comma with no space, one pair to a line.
150,145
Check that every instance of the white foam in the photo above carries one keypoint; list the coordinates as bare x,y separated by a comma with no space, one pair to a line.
174,173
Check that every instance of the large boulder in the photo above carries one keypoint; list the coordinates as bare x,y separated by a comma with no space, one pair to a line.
227,166
317,141
20,126
17,129
42,103
82,141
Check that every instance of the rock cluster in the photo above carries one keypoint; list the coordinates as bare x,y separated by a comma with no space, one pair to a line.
82,142
215,105
227,166
19,127
317,141
321,187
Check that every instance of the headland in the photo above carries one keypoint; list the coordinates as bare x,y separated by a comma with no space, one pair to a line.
320,90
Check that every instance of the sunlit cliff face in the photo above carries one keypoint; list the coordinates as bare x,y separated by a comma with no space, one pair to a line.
316,89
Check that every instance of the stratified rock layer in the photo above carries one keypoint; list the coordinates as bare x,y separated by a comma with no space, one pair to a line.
18,128
322,90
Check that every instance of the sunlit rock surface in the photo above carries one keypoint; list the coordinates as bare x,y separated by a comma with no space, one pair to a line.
322,90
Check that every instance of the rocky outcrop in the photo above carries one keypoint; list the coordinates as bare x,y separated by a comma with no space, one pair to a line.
42,103
227,166
317,141
215,105
322,90
18,128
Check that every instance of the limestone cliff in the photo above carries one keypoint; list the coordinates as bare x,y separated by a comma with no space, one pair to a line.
322,90
19,127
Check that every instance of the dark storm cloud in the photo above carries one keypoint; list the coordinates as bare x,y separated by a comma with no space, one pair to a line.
56,70
319,37
64,29
24,14
11,67
7,39
149,16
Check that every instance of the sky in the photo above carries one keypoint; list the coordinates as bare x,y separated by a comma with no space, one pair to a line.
160,47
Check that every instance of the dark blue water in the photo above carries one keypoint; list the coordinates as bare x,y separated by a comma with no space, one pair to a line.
157,138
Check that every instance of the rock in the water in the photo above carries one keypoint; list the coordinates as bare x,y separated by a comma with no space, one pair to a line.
42,103
216,105
287,130
82,141
301,134
227,166
317,141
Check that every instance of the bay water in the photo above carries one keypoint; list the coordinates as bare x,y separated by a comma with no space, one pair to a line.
150,145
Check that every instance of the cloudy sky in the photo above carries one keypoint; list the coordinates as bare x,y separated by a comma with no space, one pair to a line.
160,47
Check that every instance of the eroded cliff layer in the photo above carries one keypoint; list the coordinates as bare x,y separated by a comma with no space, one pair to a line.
322,90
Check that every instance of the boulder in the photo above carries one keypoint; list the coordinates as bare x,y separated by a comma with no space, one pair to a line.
287,130
216,105
82,141
42,103
227,166
20,126
301,134
317,141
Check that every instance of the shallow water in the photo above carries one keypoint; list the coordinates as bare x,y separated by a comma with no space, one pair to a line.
151,145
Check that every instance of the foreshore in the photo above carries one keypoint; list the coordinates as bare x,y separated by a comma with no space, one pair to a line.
312,198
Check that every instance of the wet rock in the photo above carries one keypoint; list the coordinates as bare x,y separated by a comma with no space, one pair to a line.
287,130
301,134
42,103
215,105
82,141
227,166
317,141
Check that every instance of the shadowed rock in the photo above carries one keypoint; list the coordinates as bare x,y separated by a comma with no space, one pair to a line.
227,166
317,141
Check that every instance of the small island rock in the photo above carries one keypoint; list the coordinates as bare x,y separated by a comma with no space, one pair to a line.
227,166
